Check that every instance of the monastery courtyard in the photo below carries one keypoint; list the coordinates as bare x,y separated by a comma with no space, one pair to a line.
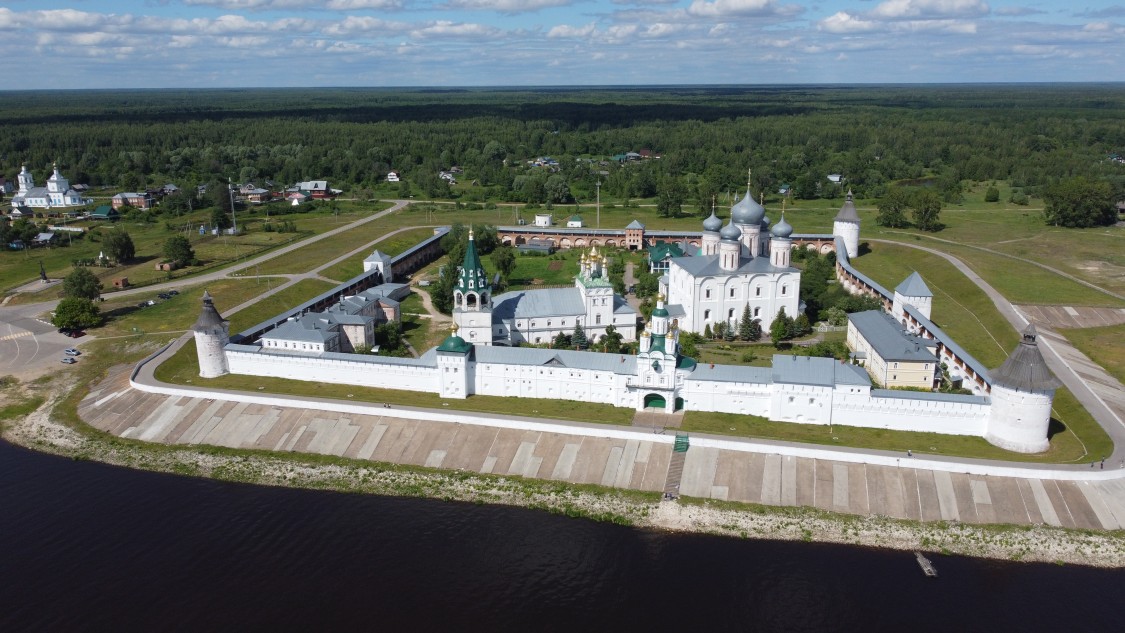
771,479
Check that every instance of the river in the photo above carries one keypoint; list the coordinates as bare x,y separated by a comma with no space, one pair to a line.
90,547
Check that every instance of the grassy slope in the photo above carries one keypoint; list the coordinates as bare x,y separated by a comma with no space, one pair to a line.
391,246
1103,345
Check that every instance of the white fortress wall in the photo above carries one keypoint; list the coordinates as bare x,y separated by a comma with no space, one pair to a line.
365,371
910,412
535,381
748,398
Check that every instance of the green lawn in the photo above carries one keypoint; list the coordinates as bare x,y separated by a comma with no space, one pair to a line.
1104,345
183,368
177,313
274,305
392,246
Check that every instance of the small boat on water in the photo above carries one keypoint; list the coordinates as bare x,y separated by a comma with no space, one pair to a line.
927,566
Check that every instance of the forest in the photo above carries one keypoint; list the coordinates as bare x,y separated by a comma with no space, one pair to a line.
699,142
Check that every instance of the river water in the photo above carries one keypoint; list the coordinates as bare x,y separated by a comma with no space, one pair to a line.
90,547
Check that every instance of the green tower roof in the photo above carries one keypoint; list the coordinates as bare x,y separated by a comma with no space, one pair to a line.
471,277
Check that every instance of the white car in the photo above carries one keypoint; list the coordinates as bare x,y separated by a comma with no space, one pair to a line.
69,361
70,351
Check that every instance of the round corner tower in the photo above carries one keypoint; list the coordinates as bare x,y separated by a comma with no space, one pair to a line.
211,336
1023,389
846,225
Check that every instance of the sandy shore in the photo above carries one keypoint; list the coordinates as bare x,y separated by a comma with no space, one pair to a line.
39,431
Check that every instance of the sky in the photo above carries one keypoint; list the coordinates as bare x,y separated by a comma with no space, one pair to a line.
122,44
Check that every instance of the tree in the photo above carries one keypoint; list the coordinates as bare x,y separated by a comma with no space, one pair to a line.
992,195
1079,203
82,284
220,219
801,325
561,341
781,329
670,199
504,259
926,207
756,330
119,246
178,251
892,209
578,338
707,333
835,316
76,313
745,323
611,342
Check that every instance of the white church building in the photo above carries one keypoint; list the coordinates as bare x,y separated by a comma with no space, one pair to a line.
479,357
57,193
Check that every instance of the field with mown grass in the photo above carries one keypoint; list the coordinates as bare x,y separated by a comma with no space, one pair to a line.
392,245
1104,345
125,317
277,303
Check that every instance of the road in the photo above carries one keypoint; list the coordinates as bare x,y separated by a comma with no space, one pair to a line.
30,346
1100,393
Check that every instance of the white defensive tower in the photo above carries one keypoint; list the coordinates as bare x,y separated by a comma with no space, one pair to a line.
1023,389
211,335
846,225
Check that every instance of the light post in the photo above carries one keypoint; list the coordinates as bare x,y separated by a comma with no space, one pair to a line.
234,219
598,187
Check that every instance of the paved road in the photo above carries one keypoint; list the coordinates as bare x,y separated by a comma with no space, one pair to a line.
29,346
1101,394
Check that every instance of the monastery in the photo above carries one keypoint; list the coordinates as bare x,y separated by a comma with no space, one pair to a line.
1010,406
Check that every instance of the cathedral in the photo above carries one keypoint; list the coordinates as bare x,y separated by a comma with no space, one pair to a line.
745,263
57,193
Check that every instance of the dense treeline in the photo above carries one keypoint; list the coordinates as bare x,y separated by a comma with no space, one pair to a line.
707,137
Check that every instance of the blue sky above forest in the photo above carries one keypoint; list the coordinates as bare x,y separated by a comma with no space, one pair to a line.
283,43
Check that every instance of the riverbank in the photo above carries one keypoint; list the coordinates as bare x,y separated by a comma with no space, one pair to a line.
41,430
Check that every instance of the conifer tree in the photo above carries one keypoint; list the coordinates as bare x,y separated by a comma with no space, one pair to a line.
745,323
578,339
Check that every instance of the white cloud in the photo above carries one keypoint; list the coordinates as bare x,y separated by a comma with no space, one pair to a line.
272,5
844,22
901,9
1016,11
721,8
508,6
464,30
355,25
565,30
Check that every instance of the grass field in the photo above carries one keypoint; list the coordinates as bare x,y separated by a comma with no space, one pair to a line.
392,246
1104,345
275,304
179,312
17,268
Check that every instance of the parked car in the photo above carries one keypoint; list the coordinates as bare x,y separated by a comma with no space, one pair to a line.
164,295
143,304
173,292
76,334
64,331
69,361
70,351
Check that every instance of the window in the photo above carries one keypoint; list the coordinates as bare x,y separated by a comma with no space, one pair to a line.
757,291
706,315
812,400
598,319
895,365
784,290
707,293
732,293
756,310
730,313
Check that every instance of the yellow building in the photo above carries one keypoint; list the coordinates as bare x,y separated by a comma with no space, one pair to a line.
892,356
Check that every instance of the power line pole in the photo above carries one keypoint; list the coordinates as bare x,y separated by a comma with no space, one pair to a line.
599,203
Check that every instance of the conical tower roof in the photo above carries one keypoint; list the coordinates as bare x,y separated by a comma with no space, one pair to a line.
847,212
914,286
1025,369
209,317
471,277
